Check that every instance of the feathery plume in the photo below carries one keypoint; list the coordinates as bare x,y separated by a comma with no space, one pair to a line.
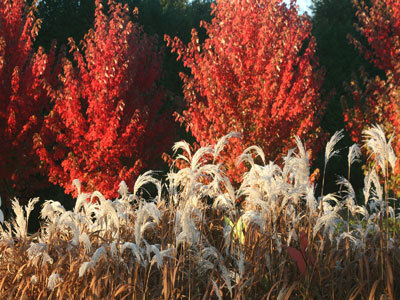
158,256
329,149
77,184
302,149
81,201
53,280
50,209
311,202
253,217
98,254
329,222
146,178
199,157
19,223
110,213
96,194
84,268
84,239
350,194
223,141
123,189
367,185
114,250
223,201
354,155
34,279
134,249
247,157
184,146
375,140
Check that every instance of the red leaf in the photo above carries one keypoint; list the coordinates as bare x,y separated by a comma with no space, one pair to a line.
298,258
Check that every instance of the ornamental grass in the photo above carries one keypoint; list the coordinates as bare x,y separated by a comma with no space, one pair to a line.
190,239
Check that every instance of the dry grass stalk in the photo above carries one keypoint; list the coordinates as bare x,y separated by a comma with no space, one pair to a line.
281,243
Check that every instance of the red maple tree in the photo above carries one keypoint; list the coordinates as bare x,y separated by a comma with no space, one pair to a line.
376,100
106,124
380,24
23,97
255,74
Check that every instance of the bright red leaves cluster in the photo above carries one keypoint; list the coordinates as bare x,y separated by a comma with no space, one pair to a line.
255,74
22,96
105,124
380,24
377,100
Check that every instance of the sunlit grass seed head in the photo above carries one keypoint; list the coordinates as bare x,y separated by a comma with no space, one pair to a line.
380,147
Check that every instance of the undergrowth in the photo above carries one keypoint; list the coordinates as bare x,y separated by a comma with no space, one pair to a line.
192,240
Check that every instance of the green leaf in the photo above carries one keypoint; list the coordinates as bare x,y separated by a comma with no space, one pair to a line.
238,229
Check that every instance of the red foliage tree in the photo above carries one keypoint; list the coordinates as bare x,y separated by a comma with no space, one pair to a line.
380,24
106,123
23,97
377,100
256,74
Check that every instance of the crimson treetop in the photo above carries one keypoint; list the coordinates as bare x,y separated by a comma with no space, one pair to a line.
256,74
106,124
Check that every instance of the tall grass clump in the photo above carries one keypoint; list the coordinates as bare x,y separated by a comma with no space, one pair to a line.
191,239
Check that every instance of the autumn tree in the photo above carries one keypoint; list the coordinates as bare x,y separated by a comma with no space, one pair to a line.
106,124
255,74
377,99
23,98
